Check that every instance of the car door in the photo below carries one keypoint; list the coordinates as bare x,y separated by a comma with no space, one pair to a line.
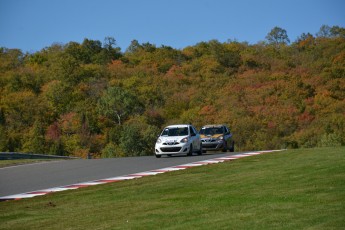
194,137
227,136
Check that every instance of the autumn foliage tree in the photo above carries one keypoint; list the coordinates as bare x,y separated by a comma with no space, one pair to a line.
90,98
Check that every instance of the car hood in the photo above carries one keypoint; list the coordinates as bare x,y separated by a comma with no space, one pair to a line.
211,136
171,139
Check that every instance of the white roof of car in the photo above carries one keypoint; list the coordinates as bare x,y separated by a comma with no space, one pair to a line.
212,126
177,126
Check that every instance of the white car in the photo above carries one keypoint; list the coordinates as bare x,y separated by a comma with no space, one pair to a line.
178,139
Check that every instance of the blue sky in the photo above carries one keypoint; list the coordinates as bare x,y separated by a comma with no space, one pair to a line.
32,25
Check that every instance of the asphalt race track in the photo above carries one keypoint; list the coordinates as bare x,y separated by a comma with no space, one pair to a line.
32,177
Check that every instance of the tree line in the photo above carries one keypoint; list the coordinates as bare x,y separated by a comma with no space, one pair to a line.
90,98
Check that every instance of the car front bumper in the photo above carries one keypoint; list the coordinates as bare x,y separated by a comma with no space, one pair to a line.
212,144
164,149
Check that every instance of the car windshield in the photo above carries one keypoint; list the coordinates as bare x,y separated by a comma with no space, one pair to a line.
211,131
183,131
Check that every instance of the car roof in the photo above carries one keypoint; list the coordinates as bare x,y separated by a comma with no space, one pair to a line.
178,126
213,126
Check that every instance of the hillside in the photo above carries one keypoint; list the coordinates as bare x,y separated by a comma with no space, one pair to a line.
76,99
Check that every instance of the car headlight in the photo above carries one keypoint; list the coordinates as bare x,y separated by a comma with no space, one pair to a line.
158,140
221,138
184,140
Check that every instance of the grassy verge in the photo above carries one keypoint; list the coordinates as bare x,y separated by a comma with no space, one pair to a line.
8,163
294,189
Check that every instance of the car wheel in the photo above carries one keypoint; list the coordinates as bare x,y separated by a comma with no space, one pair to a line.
224,147
200,150
158,156
232,148
190,153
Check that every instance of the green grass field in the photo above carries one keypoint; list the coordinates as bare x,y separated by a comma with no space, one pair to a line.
293,189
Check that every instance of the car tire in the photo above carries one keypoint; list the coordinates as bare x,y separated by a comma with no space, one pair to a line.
200,150
232,148
190,153
158,156
225,145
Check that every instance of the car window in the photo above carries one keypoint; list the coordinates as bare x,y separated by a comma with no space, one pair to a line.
194,129
226,129
178,131
192,132
212,131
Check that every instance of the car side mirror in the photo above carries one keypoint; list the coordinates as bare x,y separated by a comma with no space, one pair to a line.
193,134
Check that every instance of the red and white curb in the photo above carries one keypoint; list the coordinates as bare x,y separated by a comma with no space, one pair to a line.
133,176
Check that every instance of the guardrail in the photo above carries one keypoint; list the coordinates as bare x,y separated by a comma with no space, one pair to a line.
15,155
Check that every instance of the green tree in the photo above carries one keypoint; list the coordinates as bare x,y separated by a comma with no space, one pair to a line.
304,37
138,138
324,32
109,52
226,57
337,31
91,48
111,150
57,96
35,142
130,141
10,58
149,137
278,36
57,148
133,47
2,116
117,104
3,138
